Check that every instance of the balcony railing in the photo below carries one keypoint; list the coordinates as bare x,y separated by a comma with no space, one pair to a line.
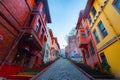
84,41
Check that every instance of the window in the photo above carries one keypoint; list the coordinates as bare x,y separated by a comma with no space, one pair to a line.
103,58
93,11
81,26
87,30
91,48
46,53
87,53
116,4
30,20
96,36
102,29
42,31
104,61
38,26
83,34
89,19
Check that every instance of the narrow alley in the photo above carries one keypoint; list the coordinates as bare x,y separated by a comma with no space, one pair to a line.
59,40
61,70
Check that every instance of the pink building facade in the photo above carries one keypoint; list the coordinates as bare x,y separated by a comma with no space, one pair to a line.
86,42
73,50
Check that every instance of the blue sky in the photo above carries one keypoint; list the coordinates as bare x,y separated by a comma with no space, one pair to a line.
64,15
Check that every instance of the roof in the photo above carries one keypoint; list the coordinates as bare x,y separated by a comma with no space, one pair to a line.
45,2
46,7
85,13
81,16
88,7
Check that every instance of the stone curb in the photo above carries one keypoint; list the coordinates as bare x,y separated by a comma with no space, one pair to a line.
86,74
89,76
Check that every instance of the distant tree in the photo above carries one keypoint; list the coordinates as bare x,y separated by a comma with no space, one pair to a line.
72,32
66,38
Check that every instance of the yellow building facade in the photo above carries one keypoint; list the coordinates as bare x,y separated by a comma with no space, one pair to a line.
104,21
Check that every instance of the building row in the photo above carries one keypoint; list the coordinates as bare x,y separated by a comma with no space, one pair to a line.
98,35
25,39
72,50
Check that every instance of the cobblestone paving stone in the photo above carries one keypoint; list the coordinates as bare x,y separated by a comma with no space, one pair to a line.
63,70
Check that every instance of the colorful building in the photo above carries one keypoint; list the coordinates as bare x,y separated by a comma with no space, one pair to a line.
104,17
51,49
23,27
66,50
86,43
47,46
54,48
73,50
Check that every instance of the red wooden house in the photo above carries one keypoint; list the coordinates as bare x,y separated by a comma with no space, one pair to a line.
23,25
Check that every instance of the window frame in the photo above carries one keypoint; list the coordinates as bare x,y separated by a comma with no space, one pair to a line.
97,40
102,30
38,26
87,31
95,12
30,20
92,50
42,32
89,19
115,6
83,34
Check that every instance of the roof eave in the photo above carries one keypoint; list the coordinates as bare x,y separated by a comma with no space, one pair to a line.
47,10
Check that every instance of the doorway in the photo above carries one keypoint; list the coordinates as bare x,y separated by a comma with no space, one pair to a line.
105,65
22,57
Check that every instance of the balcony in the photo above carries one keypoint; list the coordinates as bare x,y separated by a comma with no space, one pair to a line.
83,38
31,32
83,42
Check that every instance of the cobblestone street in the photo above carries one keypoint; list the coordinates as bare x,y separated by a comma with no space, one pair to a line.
62,70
